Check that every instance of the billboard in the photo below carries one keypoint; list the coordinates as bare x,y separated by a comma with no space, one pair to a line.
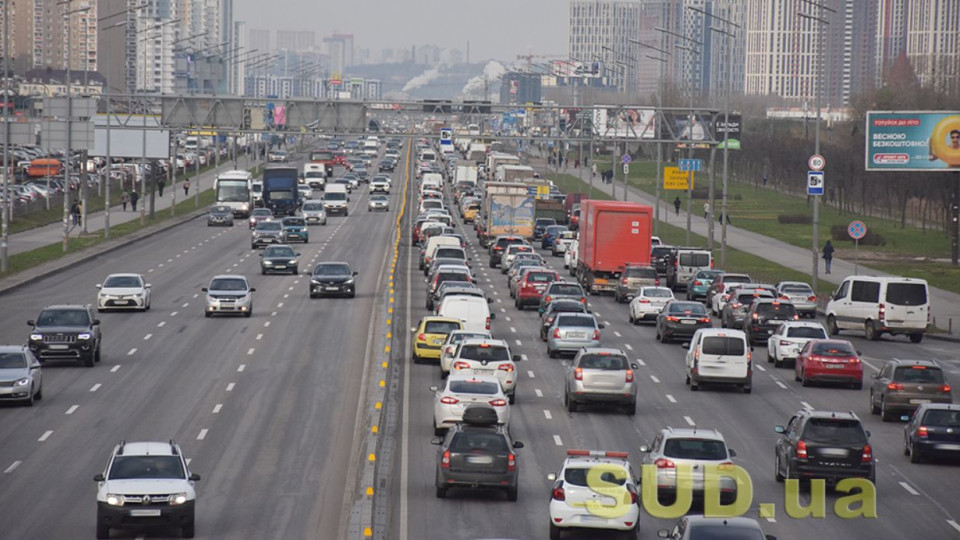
131,136
913,141
683,128
573,68
731,127
626,122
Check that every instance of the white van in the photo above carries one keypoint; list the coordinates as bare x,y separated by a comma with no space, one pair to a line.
428,155
879,305
719,355
370,148
432,181
432,244
472,310
314,175
335,199
686,263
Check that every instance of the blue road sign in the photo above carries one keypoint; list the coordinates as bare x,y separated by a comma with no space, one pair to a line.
685,165
626,159
814,182
857,229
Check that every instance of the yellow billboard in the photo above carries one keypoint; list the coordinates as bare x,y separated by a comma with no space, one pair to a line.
674,178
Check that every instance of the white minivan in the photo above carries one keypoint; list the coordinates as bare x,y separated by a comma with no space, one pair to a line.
879,305
473,311
719,355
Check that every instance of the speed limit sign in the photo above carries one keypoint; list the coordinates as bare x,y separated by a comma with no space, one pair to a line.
816,162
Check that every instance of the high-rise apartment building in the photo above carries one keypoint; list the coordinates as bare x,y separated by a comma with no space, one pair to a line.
891,36
339,47
933,43
238,68
296,40
51,34
258,39
604,31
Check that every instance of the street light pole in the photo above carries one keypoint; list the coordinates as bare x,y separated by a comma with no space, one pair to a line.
5,194
67,154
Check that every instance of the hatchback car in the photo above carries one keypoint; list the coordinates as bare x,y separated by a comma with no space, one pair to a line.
488,357
230,294
571,332
499,246
648,303
378,203
933,431
562,243
699,284
449,347
831,445
540,226
829,360
573,493
531,286
550,311
430,336
903,385
736,307
633,277
295,229
333,278
461,391
561,290
799,294
681,319
124,291
220,216
765,315
601,376
279,259
313,213
785,343
550,236
512,251
21,376
678,452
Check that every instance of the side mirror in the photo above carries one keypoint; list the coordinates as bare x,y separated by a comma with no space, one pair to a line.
298,254
517,444
99,285
96,322
356,273
99,478
686,345
601,326
436,440
204,289
261,254
733,453
644,448
148,286
875,376
493,316
552,477
859,353
868,431
194,477
253,289
517,358
489,300
780,429
434,388
634,366
31,323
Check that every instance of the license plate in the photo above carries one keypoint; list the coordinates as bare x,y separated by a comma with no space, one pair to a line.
332,288
953,447
145,512
438,341
919,401
480,460
576,335
833,452
833,366
483,371
688,322
121,302
280,266
58,347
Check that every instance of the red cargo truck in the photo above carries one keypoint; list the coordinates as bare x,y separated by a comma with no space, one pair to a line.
612,234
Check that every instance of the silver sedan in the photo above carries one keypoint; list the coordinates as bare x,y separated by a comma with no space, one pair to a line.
21,378
571,332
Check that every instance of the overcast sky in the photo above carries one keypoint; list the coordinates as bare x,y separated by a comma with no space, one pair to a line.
499,29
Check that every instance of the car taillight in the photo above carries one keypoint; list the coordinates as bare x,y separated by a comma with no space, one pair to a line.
583,300
596,334
633,494
445,460
676,263
623,280
629,376
882,312
784,297
756,316
671,318
867,454
421,337
578,374
487,323
726,466
895,386
923,432
945,388
548,299
643,301
461,365
801,450
725,297
558,494
697,283
511,461
497,248
448,400
704,319
498,403
556,333
735,305
784,343
812,298
664,463
506,367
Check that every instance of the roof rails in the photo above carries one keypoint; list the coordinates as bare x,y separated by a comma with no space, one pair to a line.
173,447
120,447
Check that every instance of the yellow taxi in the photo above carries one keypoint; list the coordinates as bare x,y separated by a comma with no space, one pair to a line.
430,335
470,212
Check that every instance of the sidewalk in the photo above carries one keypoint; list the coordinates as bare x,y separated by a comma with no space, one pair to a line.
944,305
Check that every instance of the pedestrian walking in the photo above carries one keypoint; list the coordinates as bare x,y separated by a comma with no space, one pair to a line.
706,210
593,169
75,213
160,186
828,255
676,205
124,199
724,215
186,187
134,197
576,163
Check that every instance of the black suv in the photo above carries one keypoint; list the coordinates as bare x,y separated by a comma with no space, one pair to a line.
66,332
765,316
477,453
823,444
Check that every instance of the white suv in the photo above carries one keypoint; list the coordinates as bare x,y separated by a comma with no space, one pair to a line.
146,483
487,357
574,493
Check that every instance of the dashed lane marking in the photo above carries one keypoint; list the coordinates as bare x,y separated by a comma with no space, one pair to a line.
781,385
147,337
538,392
689,420
806,405
654,378
530,374
250,351
557,440
72,409
132,351
95,387
671,399
241,367
161,324
909,488
549,416
115,368
217,407
46,435
12,467
202,435
230,387
628,346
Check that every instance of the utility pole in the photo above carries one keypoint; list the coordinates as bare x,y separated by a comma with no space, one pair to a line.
5,194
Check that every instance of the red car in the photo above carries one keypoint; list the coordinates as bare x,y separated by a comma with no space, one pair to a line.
829,360
531,286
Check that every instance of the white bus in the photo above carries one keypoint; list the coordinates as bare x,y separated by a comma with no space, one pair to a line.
234,189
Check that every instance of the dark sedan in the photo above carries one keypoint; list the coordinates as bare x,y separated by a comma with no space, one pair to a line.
681,319
332,278
279,259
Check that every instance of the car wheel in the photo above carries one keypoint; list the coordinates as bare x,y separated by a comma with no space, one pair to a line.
512,494
295,270
916,338
631,409
263,272
441,492
248,314
776,469
870,331
207,314
747,388
437,431
416,358
885,415
90,360
31,397
857,385
39,395
571,404
694,385
832,327
771,358
551,353
915,456
512,398
632,319
874,408
103,530
554,532
796,374
188,530
803,378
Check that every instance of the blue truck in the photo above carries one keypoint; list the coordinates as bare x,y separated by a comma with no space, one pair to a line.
280,190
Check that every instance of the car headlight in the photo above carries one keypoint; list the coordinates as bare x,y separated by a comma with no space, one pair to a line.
114,499
178,499
84,335
348,282
36,337
23,382
268,263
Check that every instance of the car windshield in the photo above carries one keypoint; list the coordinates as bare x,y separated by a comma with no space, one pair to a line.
687,308
577,476
378,198
293,222
228,284
834,431
723,345
658,293
331,270
704,449
834,350
122,282
474,387
441,327
136,467
455,253
942,418
808,332
279,251
220,210
13,360
262,212
269,226
918,374
63,317
312,207
603,361
567,289
478,442
577,320
484,353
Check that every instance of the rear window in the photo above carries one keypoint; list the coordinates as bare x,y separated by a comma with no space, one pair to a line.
833,349
660,251
540,277
441,327
469,441
834,431
687,308
806,332
906,294
694,259
705,449
661,292
480,353
918,374
567,288
723,346
452,276
941,418
450,252
779,310
640,272
797,289
578,476
474,387
574,320
603,361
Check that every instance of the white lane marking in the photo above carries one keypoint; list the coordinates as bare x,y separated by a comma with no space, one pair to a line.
530,374
250,351
230,387
279,305
72,409
597,313
217,407
508,319
161,324
671,399
607,323
285,296
174,313
522,356
495,292
241,367
202,435
132,351
115,368
654,378
95,387
761,368
806,405
160,265
12,466
513,329
781,385
909,489
290,288
185,304
519,343
689,420
641,362
266,323
503,310
259,337
950,522
617,333
547,414
771,519
147,337
274,313
538,392
46,435
150,270
556,439
628,346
